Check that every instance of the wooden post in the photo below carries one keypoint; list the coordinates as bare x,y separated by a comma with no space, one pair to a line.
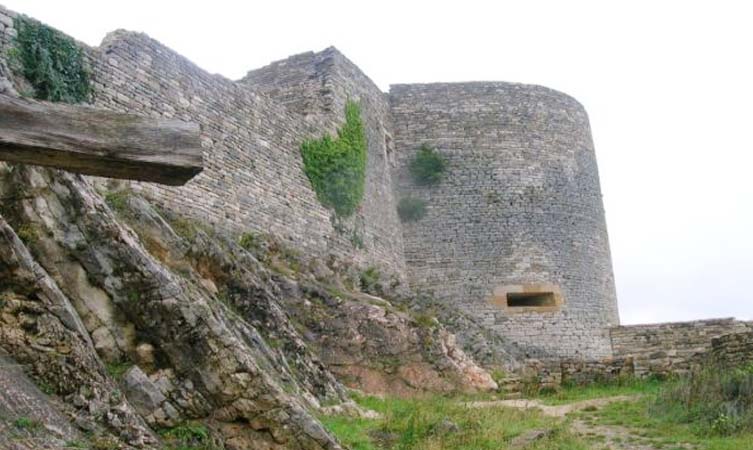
98,142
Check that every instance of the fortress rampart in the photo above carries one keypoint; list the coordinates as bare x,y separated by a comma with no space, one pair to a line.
520,210
253,178
515,233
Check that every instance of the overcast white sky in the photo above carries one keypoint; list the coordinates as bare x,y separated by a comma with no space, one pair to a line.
668,86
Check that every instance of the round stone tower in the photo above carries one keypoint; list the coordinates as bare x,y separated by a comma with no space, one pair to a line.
515,232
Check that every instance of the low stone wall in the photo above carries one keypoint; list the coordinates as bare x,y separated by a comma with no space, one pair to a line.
733,350
652,350
671,348
586,372
554,373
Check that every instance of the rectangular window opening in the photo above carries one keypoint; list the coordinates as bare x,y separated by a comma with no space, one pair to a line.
522,299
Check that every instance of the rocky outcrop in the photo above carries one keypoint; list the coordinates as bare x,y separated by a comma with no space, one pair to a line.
300,303
29,419
477,340
42,333
206,365
370,345
141,320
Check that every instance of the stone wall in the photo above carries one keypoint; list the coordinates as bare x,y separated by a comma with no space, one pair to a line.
520,206
733,350
672,348
253,178
317,86
579,372
7,31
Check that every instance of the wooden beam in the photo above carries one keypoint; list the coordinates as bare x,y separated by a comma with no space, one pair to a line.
98,142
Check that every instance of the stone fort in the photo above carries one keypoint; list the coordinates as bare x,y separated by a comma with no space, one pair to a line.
514,234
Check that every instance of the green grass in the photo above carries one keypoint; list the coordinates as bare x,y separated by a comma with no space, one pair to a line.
571,394
660,430
25,423
117,369
188,436
409,424
412,424
118,200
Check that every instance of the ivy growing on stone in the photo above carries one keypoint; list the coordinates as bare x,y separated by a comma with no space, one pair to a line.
336,166
51,62
428,166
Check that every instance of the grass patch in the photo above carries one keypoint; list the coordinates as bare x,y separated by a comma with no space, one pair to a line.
708,410
27,424
188,436
370,280
118,200
626,386
421,424
117,369
661,430
28,233
250,241
717,399
185,228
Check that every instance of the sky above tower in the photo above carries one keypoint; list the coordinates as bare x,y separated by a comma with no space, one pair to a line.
667,86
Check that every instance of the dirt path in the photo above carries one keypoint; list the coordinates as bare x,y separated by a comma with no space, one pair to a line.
602,437
552,410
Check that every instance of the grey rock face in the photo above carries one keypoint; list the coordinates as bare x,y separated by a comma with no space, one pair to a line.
142,394
211,368
40,330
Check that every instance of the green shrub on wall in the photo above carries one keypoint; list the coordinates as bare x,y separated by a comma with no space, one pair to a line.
411,209
51,62
336,166
428,166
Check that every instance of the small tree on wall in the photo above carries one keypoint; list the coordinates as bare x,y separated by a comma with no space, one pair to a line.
428,166
336,166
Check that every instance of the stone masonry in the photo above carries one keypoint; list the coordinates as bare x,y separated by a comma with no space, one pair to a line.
672,348
733,350
520,208
519,211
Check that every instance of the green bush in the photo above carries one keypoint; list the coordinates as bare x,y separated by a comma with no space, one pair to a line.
718,400
411,209
371,281
336,166
428,166
52,62
250,241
